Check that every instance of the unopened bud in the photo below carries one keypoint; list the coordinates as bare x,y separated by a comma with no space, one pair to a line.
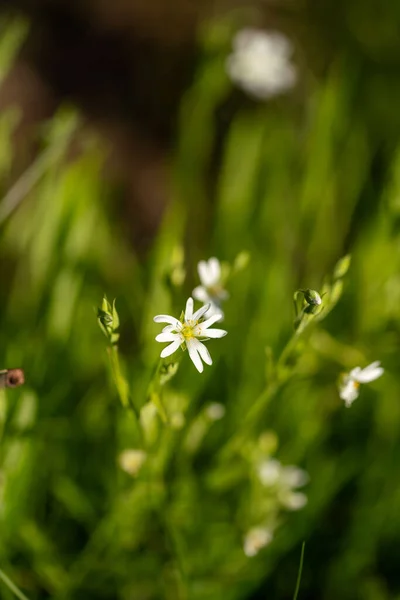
312,297
108,320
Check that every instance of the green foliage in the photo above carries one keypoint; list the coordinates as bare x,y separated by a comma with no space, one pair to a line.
146,484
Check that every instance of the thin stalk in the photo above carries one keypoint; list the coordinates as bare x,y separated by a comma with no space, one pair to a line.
300,572
11,586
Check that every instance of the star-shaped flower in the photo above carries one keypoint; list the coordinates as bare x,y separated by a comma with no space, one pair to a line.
350,382
188,332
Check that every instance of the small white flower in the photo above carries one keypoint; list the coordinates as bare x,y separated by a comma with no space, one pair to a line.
284,480
269,472
255,539
211,289
131,461
260,63
348,387
188,333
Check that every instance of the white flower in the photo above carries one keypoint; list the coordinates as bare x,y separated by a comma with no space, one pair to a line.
211,289
255,539
348,387
260,63
131,461
269,472
188,333
284,480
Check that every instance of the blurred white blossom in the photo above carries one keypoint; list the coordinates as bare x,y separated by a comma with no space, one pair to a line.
350,382
211,289
188,331
255,539
284,480
260,63
131,461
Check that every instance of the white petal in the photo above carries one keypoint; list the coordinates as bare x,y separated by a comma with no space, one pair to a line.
294,501
348,392
214,268
210,321
204,273
255,539
170,349
167,337
373,365
294,477
370,373
203,351
215,309
166,319
354,373
269,472
215,333
199,313
189,309
200,293
169,328
194,355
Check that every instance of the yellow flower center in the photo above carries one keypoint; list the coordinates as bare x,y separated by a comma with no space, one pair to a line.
187,330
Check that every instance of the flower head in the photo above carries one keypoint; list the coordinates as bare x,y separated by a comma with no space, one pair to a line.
284,480
255,539
350,382
188,332
211,289
260,63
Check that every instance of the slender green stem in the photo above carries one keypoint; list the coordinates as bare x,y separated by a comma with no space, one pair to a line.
11,586
300,572
122,388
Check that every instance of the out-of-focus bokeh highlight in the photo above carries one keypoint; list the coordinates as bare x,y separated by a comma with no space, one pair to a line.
137,139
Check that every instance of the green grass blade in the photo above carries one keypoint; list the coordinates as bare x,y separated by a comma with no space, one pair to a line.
300,572
11,586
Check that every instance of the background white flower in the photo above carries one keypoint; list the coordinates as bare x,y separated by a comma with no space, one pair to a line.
188,333
255,539
260,63
350,382
284,480
132,460
211,289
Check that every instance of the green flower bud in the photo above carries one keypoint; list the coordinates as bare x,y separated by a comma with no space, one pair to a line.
108,320
312,297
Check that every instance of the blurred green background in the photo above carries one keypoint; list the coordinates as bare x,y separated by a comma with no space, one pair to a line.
293,183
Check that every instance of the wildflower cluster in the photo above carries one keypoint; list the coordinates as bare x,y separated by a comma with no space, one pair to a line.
273,487
276,489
